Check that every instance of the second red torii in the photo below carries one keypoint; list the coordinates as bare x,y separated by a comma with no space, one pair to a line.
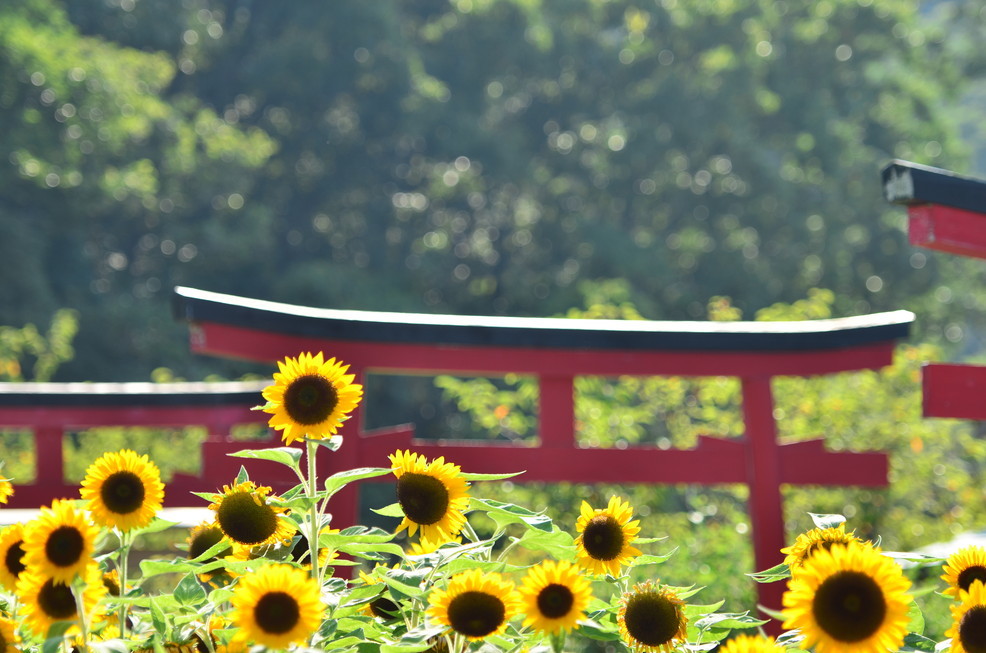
558,350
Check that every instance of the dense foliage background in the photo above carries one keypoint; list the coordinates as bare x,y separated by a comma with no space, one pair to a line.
664,159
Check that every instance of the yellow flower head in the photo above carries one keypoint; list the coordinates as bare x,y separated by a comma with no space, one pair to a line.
6,490
605,535
968,631
277,605
59,543
652,618
9,641
751,644
310,397
818,538
964,567
381,607
474,604
555,596
246,515
46,600
123,490
848,599
433,496
11,555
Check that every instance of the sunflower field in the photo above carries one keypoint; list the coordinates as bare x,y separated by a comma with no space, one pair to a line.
270,571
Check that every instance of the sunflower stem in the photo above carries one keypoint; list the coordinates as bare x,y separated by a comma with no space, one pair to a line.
78,587
126,541
311,449
558,641
470,532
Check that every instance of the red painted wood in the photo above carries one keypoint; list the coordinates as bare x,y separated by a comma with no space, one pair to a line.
952,390
243,343
947,229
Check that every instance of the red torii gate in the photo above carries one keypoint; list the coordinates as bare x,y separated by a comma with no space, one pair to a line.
946,212
556,351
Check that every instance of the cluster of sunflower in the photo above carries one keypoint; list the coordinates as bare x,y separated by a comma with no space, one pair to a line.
846,594
270,571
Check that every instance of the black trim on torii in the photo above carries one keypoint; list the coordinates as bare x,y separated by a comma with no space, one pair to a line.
907,183
200,306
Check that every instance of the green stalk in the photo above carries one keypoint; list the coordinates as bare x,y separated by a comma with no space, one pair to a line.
78,587
311,489
126,541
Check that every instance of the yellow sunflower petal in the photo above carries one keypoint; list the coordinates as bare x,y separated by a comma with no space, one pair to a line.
652,618
603,544
60,541
277,606
555,596
433,495
848,599
311,397
962,568
474,604
123,490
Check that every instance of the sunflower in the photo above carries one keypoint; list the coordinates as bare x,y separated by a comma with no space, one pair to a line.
848,598
47,600
380,607
6,489
310,397
555,596
651,617
11,555
9,640
474,604
605,535
818,538
432,495
277,605
60,541
246,516
966,565
123,490
751,644
424,547
968,631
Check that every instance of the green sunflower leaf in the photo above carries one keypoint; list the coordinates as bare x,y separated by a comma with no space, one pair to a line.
775,573
157,525
594,630
189,591
393,510
339,480
243,476
648,559
490,477
56,636
558,544
159,617
289,456
914,642
826,521
507,513
915,618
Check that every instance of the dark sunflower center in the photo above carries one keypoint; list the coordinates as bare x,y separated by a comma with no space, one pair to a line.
652,619
300,551
56,601
424,499
603,538
476,614
64,546
310,399
555,601
384,608
244,520
971,574
122,493
276,612
972,630
13,561
204,541
849,606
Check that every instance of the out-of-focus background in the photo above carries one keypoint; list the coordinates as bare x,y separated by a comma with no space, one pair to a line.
657,159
